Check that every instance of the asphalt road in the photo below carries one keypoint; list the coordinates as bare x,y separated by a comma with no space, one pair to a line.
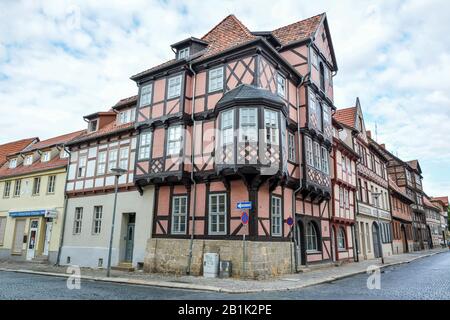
427,278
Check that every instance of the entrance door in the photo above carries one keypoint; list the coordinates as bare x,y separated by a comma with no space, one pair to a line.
129,246
404,239
19,232
48,236
32,239
376,240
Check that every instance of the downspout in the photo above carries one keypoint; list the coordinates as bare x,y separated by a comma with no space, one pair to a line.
61,240
357,203
194,201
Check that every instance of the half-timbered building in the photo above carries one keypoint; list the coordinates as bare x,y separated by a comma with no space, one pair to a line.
239,116
109,142
373,207
442,204
344,186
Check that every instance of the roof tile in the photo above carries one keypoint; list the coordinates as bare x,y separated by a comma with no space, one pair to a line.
14,147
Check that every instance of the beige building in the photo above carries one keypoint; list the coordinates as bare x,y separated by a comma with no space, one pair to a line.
32,200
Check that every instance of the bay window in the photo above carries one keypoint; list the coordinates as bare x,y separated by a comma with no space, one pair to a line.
227,127
324,157
248,123
317,156
309,151
271,126
291,147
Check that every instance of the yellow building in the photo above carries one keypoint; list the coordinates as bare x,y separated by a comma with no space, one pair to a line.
32,199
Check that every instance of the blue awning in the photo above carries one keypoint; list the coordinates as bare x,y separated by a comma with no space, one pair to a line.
31,213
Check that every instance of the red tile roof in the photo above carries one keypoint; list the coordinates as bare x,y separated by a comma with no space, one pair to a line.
428,203
14,147
413,164
125,102
346,116
299,30
59,140
37,166
109,129
442,199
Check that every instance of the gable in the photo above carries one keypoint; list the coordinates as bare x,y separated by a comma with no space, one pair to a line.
359,122
322,40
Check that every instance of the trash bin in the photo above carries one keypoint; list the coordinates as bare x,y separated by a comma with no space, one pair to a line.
225,269
210,265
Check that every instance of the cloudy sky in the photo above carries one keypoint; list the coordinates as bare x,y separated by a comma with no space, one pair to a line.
60,60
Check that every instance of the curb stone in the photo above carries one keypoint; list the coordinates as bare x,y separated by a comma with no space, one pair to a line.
196,287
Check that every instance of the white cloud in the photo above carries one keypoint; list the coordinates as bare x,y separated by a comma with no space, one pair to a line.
60,60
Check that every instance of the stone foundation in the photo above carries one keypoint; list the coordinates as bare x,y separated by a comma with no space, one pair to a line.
264,259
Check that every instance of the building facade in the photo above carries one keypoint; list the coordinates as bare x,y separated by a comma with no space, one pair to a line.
32,185
433,221
239,116
373,207
442,204
109,142
344,186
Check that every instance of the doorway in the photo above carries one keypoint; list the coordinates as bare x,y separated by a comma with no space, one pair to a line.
299,241
19,233
404,239
32,239
376,240
129,238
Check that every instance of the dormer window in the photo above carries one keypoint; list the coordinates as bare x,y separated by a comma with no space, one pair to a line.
12,163
45,156
93,125
64,154
28,160
183,53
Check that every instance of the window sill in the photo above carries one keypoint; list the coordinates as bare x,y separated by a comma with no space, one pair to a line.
313,252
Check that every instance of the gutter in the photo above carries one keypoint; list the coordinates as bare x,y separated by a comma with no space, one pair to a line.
194,201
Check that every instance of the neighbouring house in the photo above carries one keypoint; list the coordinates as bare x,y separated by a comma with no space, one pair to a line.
442,204
433,221
344,181
373,208
32,185
238,116
14,147
110,142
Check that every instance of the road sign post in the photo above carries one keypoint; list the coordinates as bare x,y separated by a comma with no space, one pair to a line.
244,220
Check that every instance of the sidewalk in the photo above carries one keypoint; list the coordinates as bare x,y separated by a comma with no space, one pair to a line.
286,282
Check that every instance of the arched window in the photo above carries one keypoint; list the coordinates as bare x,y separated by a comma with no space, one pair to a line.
341,239
311,237
322,77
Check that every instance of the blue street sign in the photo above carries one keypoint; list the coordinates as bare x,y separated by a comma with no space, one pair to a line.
244,205
244,217
290,221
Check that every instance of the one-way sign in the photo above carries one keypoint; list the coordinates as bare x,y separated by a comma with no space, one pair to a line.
244,205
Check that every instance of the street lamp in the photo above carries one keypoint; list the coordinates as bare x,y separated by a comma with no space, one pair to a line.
117,172
375,195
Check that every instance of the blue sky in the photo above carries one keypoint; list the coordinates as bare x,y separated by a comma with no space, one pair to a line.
60,60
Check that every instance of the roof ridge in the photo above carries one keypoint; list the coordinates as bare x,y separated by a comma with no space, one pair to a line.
17,141
296,22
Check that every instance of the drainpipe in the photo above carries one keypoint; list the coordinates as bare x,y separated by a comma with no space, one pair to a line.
357,205
194,201
58,260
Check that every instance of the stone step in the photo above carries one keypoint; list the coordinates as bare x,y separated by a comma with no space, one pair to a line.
40,259
124,266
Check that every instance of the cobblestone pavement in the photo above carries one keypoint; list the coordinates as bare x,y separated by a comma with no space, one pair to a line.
286,282
427,278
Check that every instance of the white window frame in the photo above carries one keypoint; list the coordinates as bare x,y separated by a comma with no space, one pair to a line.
28,160
312,237
145,141
281,85
183,53
97,220
215,79
17,187
7,189
112,159
12,163
146,95
309,151
248,124
46,156
324,159
291,147
179,212
64,154
271,126
227,127
51,184
317,157
123,158
218,214
91,128
341,239
276,217
82,162
174,140
36,186
174,87
78,220
101,163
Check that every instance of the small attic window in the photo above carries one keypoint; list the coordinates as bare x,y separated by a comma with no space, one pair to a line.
28,160
12,163
93,125
183,53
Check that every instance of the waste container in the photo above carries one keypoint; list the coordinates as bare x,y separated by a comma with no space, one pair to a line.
210,265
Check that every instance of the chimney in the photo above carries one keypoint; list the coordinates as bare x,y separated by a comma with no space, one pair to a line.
369,134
